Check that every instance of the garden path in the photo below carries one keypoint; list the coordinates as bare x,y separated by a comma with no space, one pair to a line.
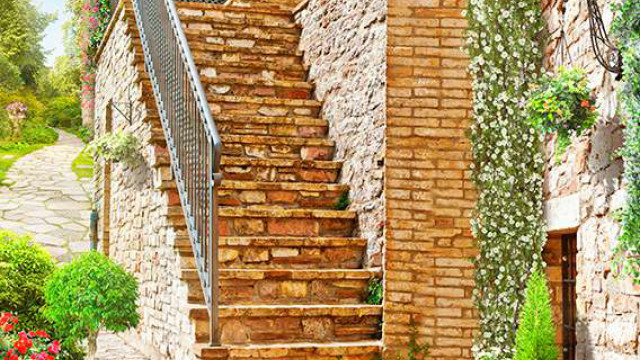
47,200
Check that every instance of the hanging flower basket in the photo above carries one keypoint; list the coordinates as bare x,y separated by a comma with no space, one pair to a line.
563,104
119,147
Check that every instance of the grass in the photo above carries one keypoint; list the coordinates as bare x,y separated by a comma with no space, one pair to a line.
82,166
10,153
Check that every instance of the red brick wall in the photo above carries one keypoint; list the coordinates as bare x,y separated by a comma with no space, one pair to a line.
428,192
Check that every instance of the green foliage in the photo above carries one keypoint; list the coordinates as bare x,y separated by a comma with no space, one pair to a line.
103,16
38,133
626,28
61,80
117,147
415,351
563,104
34,130
374,292
91,294
536,336
22,28
9,75
64,112
505,46
24,268
343,201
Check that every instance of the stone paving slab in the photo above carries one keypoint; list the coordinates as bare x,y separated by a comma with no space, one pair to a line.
112,347
45,199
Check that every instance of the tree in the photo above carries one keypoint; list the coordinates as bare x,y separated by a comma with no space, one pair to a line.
91,294
22,28
535,338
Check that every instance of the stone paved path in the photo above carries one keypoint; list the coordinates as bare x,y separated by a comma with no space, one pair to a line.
111,347
47,200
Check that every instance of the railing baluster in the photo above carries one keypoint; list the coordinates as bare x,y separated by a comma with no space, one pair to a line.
192,138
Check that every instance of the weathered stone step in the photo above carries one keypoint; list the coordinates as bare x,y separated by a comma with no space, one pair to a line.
284,194
201,46
264,324
273,221
244,57
356,350
280,170
276,147
255,106
238,86
255,252
246,37
251,69
234,9
226,20
270,125
277,286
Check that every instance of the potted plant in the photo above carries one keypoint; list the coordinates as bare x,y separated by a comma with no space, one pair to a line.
563,104
118,147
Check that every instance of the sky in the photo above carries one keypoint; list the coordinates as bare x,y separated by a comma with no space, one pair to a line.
53,38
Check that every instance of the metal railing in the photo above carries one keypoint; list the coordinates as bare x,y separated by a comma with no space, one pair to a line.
192,138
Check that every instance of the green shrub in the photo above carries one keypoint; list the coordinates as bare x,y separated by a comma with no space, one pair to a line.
38,133
63,112
24,268
91,294
536,335
343,201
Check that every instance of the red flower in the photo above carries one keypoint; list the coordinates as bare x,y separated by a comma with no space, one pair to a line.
54,348
585,103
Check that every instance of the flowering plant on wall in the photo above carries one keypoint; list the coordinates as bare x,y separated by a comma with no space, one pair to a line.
117,147
626,28
563,104
505,47
23,345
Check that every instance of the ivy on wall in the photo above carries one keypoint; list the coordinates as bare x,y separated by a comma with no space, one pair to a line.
505,47
626,28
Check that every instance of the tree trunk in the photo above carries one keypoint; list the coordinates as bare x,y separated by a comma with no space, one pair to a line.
93,345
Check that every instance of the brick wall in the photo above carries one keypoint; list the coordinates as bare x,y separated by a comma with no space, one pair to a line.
428,192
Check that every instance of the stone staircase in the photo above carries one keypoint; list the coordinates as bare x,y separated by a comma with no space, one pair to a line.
292,279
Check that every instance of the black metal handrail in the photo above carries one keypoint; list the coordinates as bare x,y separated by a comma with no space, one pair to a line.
191,134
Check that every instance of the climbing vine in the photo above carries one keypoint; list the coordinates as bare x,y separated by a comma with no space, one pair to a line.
505,47
626,28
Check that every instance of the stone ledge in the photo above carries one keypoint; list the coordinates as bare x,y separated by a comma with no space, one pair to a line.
563,213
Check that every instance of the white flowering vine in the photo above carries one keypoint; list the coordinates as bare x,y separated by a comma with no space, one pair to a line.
505,47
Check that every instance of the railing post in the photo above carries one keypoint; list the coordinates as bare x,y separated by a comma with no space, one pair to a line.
214,270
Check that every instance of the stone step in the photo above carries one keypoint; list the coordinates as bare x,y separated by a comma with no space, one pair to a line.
260,87
231,51
277,286
264,324
272,125
276,147
273,221
240,7
280,170
246,37
225,20
244,57
255,252
287,195
255,106
251,69
356,350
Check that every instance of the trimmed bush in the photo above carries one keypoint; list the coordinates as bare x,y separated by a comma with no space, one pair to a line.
24,268
536,335
91,294
63,112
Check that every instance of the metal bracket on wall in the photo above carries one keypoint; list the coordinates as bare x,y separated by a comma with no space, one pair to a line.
127,106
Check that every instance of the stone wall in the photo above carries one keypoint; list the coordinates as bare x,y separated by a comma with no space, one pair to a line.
588,183
140,238
427,188
344,46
